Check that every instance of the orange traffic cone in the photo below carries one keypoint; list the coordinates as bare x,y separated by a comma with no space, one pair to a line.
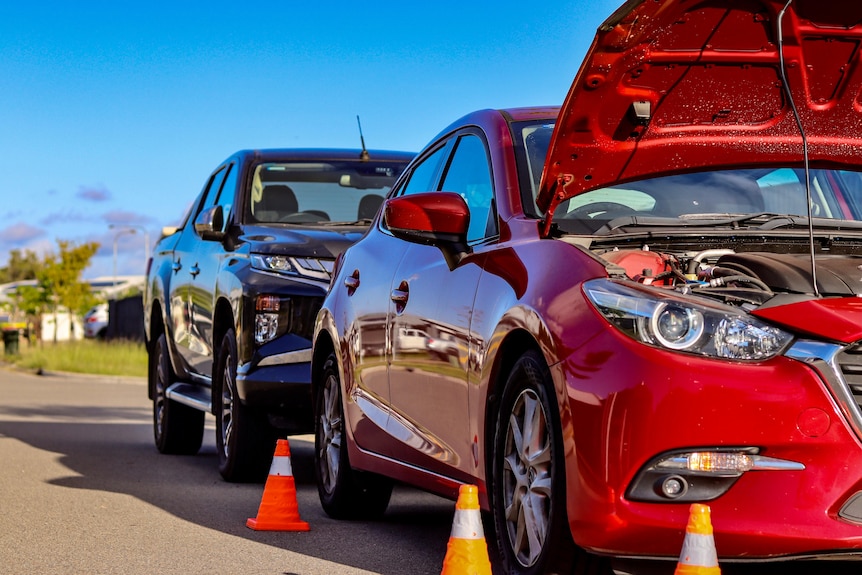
278,509
467,552
698,556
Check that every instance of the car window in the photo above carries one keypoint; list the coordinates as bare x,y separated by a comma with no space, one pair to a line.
636,200
214,187
851,184
423,177
207,196
469,174
719,194
303,192
531,141
783,192
226,194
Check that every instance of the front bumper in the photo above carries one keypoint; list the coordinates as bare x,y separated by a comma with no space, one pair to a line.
276,376
640,402
278,380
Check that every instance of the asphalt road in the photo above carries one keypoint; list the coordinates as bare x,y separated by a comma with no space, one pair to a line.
84,491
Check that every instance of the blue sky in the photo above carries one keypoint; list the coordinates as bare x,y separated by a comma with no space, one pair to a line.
116,113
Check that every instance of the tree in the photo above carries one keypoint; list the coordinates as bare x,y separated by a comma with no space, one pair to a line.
21,266
30,300
61,276
59,279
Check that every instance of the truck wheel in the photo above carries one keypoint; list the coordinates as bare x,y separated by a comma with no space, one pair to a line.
244,439
344,493
178,428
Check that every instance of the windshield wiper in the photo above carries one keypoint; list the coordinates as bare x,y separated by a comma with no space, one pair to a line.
802,221
683,221
362,222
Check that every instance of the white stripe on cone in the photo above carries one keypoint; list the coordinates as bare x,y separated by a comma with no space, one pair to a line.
467,525
281,467
698,550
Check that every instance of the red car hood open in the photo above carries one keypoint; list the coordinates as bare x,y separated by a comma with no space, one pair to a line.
679,85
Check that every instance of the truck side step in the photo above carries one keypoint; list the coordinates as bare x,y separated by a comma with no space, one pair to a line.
191,395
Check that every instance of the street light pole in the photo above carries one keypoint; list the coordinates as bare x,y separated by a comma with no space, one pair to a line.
116,237
146,234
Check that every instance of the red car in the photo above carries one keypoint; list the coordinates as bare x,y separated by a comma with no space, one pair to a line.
648,299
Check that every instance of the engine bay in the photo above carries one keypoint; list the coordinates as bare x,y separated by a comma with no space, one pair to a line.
744,278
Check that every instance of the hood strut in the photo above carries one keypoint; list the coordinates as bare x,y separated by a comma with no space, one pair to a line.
804,144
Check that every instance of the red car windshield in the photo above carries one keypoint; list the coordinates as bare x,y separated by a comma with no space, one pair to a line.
725,196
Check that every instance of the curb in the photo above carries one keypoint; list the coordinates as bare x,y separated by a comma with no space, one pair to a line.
95,377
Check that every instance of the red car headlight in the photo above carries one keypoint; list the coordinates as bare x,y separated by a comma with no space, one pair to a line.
675,322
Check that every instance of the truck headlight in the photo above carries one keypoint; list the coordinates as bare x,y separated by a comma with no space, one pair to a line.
312,268
270,318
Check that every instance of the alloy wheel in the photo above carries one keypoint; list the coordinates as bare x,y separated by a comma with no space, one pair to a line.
159,397
227,407
527,477
331,426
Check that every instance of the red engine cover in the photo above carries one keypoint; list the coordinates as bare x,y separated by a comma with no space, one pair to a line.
641,265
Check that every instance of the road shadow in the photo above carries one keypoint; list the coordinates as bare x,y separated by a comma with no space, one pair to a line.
110,448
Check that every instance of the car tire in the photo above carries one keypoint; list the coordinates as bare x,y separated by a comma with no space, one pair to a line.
344,493
528,479
178,429
245,441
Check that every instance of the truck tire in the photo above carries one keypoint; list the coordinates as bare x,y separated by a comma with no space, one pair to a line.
178,429
244,439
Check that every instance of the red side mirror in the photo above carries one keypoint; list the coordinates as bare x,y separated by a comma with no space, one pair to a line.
429,218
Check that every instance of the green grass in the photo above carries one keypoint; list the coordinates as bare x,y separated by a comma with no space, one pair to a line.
123,358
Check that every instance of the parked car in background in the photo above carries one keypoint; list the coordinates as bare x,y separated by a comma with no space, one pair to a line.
232,294
655,296
96,321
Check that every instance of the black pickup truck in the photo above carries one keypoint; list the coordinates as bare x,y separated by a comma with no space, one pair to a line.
232,294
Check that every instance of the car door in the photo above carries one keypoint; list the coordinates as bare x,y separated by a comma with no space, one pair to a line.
429,408
197,286
209,257
369,270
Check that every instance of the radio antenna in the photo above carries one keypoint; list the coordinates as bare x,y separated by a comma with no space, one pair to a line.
364,154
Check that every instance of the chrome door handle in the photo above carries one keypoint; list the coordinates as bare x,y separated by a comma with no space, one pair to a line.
400,295
351,282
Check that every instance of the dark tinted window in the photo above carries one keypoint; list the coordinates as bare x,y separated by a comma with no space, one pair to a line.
225,196
309,192
210,193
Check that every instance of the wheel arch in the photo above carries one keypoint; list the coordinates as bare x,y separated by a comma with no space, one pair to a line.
323,346
557,548
223,320
157,328
514,345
